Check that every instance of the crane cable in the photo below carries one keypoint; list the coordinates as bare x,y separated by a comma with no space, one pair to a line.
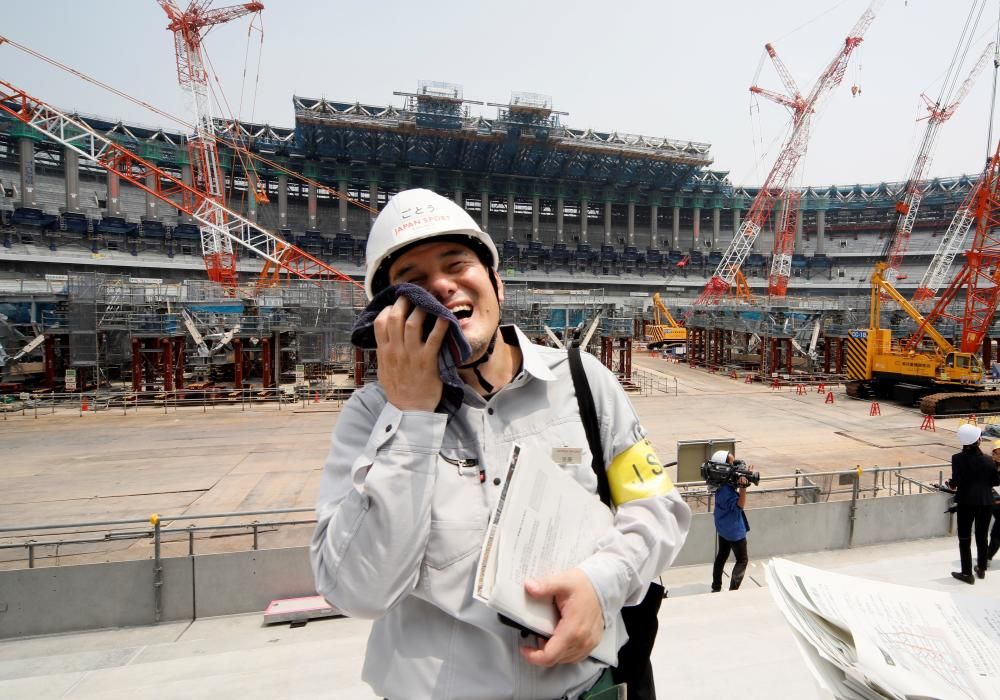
993,96
156,110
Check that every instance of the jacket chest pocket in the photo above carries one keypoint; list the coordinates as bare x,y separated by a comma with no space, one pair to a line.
459,511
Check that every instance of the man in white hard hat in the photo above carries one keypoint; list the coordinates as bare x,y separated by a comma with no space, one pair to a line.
731,526
410,482
973,474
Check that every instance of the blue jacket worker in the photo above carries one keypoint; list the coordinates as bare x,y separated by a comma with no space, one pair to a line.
416,466
732,527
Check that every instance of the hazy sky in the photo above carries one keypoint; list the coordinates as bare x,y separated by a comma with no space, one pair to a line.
676,69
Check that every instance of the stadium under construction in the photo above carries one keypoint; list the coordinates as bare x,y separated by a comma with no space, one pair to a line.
104,280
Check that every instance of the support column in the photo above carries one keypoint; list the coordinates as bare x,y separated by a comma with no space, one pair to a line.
798,231
788,356
282,200
312,219
267,378
136,365
484,214
630,240
840,355
584,211
167,353
50,362
607,222
675,233
560,233
251,178
654,237
29,197
696,225
821,226
535,203
373,194
987,353
716,213
510,216
736,221
344,204
237,363
71,166
152,213
187,179
114,207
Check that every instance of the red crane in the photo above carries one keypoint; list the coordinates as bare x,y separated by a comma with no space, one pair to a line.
189,27
979,276
803,109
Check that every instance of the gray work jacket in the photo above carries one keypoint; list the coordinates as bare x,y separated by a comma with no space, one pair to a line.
400,529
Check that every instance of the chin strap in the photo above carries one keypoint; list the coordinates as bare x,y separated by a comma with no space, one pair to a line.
474,366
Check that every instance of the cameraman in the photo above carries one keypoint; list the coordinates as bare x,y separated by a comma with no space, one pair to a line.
732,526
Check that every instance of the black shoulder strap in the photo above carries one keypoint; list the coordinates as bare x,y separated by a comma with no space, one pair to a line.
588,414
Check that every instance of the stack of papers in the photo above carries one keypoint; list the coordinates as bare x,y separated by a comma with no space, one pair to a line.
866,639
545,522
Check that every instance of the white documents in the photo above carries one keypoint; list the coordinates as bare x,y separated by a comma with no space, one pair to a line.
868,639
545,522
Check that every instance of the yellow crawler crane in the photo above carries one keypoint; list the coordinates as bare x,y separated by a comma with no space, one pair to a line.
878,366
664,330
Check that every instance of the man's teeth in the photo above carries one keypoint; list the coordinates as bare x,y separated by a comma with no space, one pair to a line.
462,311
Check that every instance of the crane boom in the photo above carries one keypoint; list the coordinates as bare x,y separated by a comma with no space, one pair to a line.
951,243
221,221
907,209
803,108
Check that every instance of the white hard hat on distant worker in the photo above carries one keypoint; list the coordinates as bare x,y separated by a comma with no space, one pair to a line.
416,216
720,457
968,434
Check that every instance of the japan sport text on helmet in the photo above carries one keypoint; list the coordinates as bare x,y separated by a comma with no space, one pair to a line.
417,216
720,457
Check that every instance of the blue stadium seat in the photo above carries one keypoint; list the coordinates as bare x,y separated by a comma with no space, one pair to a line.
115,226
559,255
76,223
153,229
714,258
630,258
674,256
343,245
185,232
510,254
535,254
34,218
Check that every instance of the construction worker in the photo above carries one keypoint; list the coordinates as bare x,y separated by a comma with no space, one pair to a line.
731,526
973,475
412,478
994,545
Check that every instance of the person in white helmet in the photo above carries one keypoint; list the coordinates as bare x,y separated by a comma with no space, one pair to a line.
973,474
411,479
731,526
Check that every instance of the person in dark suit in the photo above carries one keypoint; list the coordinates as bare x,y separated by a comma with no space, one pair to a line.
995,531
973,474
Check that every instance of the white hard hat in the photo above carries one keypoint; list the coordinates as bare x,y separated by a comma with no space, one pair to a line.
968,434
720,457
413,216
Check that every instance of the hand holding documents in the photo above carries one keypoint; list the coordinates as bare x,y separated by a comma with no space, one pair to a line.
545,522
867,639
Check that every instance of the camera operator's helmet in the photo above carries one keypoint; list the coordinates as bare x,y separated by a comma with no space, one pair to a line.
720,457
968,434
418,216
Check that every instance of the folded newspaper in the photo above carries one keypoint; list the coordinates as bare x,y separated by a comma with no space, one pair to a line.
544,522
866,639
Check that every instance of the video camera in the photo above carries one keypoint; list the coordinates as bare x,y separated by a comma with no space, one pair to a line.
716,474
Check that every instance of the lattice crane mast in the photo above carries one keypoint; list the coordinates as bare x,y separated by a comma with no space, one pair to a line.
907,208
189,27
979,276
221,222
803,109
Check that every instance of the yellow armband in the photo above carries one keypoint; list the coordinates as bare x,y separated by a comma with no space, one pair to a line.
637,473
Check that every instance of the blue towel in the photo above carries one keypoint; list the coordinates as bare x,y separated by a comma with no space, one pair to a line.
455,350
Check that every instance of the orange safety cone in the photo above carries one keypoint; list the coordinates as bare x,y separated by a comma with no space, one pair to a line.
928,424
315,397
800,389
712,370
748,379
876,410
775,385
734,375
83,405
821,389
972,420
829,397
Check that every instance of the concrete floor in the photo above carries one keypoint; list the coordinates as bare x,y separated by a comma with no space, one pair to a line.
240,657
65,468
